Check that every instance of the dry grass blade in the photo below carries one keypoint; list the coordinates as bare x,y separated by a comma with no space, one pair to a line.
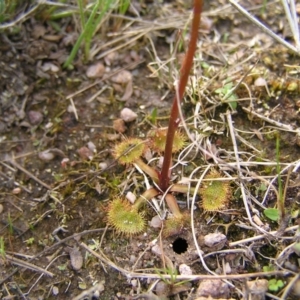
269,31
18,166
27,265
261,236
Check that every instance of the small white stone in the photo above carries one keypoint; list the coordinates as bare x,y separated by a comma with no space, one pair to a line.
35,117
123,76
91,146
128,115
258,221
110,58
1,208
185,270
95,71
134,283
70,109
76,258
156,222
215,289
227,268
46,155
49,125
103,165
131,197
260,82
64,162
156,250
132,258
50,67
213,239
55,290
16,191
162,289
153,242
258,286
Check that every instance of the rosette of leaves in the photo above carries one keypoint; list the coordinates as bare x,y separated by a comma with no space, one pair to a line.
216,193
130,151
124,217
128,218
157,140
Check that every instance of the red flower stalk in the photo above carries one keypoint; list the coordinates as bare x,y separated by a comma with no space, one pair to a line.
184,75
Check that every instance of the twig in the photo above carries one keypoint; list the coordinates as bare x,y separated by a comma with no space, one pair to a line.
291,14
240,174
27,265
15,164
263,27
88,294
273,122
261,236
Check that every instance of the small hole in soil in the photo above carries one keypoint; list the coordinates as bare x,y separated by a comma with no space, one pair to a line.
180,245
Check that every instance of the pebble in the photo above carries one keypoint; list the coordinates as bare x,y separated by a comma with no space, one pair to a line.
46,155
128,115
55,290
260,82
103,165
92,146
111,57
16,191
227,268
134,283
123,76
131,197
98,289
132,258
95,71
50,67
162,289
258,287
213,239
213,288
1,208
185,270
35,117
85,153
76,258
119,125
156,222
156,250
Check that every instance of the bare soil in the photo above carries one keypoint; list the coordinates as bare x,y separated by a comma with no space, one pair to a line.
58,173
